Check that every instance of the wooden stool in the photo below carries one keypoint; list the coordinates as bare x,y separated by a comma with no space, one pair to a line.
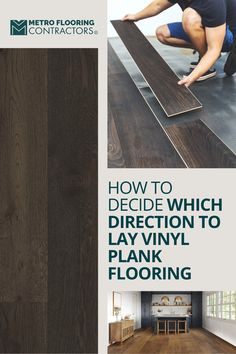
184,328
159,329
170,322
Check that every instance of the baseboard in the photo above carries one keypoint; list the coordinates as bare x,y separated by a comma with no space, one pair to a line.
220,337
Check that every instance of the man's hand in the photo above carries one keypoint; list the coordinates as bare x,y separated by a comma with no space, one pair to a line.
215,38
186,81
129,17
153,9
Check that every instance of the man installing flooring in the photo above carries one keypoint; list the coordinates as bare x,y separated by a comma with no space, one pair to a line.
208,26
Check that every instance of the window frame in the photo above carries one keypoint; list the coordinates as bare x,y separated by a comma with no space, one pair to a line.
221,305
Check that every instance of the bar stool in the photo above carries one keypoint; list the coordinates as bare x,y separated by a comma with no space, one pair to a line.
159,329
169,325
184,328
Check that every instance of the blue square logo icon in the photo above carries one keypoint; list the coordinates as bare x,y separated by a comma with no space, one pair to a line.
18,27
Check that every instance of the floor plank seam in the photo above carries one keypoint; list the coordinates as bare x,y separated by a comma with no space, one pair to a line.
127,28
224,148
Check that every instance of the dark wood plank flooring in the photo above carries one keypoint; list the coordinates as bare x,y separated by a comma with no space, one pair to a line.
197,341
173,98
115,155
219,109
197,145
200,147
48,200
23,176
23,327
142,141
72,201
23,200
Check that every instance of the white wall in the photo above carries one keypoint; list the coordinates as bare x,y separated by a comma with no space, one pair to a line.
225,329
118,8
174,310
126,308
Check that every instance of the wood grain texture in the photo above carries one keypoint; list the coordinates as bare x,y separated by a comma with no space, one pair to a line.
115,155
23,327
23,176
197,145
142,140
48,201
23,203
72,201
200,147
219,109
197,341
173,98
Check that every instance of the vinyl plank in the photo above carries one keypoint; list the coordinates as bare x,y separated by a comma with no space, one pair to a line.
133,344
143,141
23,176
23,327
219,109
173,98
195,342
23,203
48,205
115,65
115,154
114,61
200,147
195,142
72,201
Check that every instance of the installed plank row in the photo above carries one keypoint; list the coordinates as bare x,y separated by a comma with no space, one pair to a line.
197,341
142,141
173,98
199,146
72,201
135,135
23,201
48,200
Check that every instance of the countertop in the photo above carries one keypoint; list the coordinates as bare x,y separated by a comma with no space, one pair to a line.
171,315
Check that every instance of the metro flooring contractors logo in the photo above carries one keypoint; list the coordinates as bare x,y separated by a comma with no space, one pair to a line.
52,27
18,27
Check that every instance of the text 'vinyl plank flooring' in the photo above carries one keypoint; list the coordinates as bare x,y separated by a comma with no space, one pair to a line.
173,98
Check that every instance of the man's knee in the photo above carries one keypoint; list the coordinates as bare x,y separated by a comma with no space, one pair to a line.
191,21
162,33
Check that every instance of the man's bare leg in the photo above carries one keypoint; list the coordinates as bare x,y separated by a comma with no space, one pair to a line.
163,35
192,24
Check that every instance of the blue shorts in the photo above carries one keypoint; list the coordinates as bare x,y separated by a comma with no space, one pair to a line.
177,31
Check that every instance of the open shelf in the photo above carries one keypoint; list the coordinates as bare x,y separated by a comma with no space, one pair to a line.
172,305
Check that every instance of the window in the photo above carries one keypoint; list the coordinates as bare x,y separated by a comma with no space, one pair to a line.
211,305
222,304
227,305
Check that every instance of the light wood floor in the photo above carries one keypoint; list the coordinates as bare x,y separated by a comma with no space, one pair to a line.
198,341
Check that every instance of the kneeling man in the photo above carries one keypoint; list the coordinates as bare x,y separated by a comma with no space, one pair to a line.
208,26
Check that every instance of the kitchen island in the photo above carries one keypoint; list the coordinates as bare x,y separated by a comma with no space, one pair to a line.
170,317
